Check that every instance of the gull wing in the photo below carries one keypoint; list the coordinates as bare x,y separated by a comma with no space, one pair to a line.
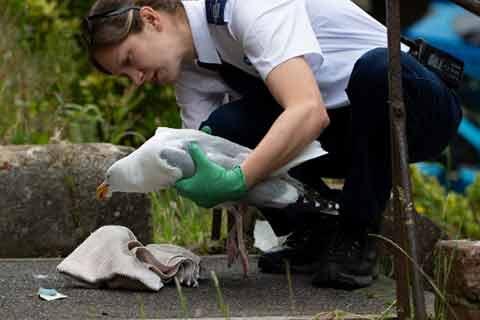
224,152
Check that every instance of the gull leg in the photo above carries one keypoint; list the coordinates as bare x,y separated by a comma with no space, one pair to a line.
238,213
231,245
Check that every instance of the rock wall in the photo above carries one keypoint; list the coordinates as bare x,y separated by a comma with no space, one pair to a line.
47,198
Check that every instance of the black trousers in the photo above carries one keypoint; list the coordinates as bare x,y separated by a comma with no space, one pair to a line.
358,137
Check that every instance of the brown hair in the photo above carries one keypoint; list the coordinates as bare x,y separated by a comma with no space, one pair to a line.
112,30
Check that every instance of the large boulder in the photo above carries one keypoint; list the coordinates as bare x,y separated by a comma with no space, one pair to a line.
47,198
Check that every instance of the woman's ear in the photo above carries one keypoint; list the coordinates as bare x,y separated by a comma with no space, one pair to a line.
151,17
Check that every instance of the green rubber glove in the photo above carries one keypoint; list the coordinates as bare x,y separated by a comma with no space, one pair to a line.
206,129
211,184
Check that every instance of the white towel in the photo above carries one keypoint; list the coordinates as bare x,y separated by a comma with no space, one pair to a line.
112,257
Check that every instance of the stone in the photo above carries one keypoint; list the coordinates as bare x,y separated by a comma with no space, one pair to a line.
48,203
459,268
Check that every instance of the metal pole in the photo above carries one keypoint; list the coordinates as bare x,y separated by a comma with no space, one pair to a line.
401,262
470,5
403,204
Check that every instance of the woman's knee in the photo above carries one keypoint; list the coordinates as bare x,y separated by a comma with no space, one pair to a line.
430,133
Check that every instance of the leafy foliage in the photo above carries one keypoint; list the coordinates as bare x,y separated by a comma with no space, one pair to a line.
49,90
457,213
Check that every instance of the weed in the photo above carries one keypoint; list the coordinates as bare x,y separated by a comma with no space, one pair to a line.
221,303
182,298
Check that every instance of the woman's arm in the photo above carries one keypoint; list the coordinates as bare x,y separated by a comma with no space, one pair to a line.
293,85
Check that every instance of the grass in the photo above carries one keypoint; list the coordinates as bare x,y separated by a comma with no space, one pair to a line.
443,264
179,221
31,81
332,315
221,302
182,299
443,267
141,307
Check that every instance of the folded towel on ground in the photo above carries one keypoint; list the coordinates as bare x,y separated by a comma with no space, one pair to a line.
112,257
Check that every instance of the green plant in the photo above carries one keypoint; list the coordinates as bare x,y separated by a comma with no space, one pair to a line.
178,220
182,298
48,88
443,267
221,303
440,294
33,73
456,213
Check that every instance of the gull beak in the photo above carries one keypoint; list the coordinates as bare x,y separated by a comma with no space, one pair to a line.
102,191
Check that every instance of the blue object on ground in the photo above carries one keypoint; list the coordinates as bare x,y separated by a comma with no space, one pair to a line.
47,292
50,294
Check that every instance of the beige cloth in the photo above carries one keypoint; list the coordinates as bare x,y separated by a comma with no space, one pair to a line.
112,257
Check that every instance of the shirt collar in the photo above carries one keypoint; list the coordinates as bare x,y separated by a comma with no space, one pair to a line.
202,40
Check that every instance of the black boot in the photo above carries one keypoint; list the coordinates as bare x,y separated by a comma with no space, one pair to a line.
303,249
313,221
350,262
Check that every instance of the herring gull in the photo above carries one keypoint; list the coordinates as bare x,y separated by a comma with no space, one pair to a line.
163,159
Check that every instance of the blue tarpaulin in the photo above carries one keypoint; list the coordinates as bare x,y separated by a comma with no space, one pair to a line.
452,29
440,28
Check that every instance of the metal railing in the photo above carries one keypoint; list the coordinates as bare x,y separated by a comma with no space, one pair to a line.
408,278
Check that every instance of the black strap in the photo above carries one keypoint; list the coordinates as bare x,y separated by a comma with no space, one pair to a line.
210,66
216,11
236,78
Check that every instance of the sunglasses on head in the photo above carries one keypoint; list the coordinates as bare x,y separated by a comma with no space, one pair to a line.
87,21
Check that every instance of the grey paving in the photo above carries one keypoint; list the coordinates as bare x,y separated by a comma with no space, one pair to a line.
261,295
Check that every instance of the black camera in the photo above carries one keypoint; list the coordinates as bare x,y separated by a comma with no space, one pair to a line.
446,66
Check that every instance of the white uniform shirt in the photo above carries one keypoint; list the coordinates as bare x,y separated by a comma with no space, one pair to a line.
260,35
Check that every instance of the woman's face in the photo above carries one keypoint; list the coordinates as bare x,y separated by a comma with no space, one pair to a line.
154,55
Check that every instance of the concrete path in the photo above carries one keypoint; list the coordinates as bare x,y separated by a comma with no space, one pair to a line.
262,296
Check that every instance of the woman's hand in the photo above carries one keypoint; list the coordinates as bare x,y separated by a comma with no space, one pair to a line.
211,184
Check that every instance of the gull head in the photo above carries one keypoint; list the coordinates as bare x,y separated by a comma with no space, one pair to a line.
116,178
125,175
142,171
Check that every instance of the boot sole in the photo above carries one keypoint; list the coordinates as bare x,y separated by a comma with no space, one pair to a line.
266,266
345,281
